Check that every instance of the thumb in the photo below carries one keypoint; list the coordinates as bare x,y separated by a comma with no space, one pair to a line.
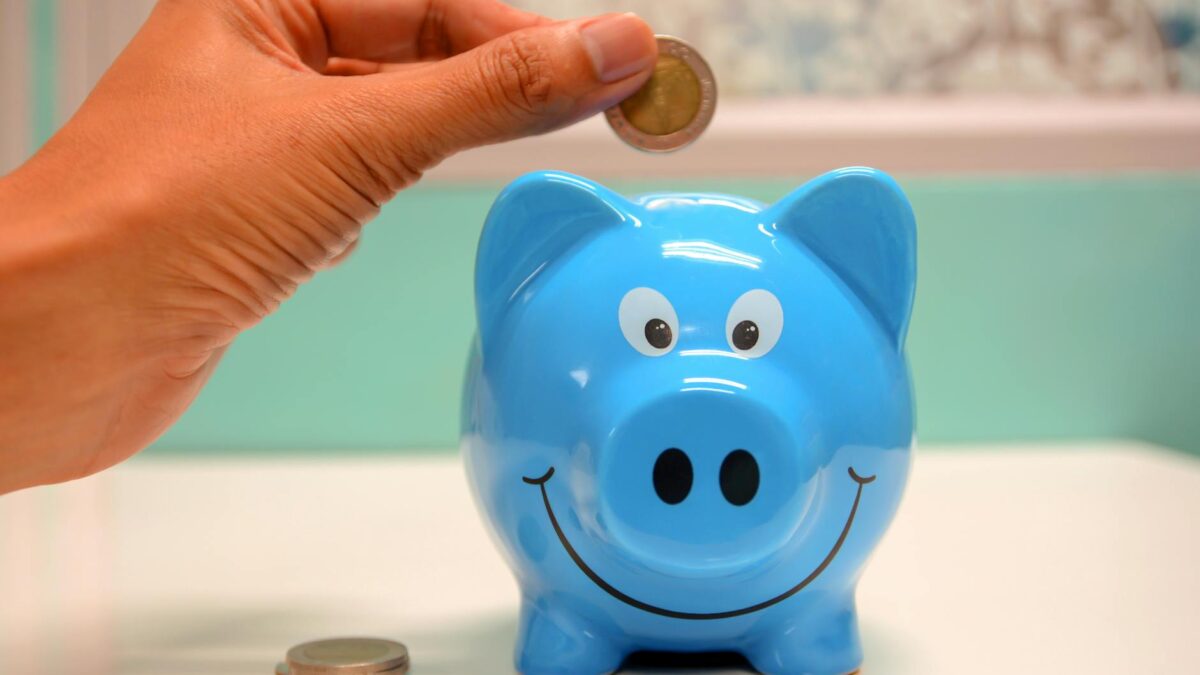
522,83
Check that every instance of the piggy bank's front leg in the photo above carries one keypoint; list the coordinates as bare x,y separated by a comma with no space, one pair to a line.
552,641
819,641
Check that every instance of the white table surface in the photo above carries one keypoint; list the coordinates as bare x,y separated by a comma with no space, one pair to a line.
1004,559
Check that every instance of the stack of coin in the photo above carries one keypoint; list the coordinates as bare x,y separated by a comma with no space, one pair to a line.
346,656
673,107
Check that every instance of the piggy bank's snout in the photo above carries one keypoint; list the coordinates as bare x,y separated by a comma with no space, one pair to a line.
697,481
673,476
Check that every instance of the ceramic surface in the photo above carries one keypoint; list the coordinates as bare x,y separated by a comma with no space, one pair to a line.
688,417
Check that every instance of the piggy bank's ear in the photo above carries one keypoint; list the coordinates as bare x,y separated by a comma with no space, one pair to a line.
860,224
536,219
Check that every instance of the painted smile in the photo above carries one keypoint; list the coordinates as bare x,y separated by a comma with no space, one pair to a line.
696,616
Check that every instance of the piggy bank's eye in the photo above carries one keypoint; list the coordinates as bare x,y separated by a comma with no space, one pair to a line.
754,324
745,335
658,333
648,321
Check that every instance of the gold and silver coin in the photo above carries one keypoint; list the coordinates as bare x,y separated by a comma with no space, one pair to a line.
346,656
673,107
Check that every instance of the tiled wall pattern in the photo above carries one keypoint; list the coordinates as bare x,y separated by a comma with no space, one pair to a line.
876,47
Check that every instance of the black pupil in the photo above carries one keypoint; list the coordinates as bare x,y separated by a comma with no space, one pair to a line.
739,477
658,333
745,335
673,476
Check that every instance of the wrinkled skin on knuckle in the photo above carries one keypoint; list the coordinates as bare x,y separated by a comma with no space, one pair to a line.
523,79
387,162
369,135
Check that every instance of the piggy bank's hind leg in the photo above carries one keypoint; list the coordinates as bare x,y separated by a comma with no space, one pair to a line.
555,642
814,643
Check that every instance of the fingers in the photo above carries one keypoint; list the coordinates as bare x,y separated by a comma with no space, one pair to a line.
350,67
525,82
340,257
408,30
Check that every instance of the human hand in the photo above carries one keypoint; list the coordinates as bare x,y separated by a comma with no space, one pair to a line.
230,152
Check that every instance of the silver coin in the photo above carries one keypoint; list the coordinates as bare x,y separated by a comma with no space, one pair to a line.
673,107
346,656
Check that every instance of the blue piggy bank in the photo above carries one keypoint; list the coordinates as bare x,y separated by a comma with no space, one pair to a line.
688,417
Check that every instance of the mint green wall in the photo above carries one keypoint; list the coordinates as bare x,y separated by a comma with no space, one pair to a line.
1047,308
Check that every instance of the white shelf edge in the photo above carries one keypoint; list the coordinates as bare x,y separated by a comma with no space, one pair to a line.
921,136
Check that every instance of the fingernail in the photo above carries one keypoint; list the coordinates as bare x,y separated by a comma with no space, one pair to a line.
617,46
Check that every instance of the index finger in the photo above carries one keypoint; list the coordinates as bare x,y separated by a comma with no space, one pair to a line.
396,31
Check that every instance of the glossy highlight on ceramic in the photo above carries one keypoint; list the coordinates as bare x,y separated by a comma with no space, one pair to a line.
688,417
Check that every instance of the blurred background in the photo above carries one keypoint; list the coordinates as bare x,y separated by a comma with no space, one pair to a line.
1051,149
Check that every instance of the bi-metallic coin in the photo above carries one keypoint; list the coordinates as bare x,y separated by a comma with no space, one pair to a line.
673,107
346,656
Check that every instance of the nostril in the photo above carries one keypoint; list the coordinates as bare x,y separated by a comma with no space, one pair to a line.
673,475
739,477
